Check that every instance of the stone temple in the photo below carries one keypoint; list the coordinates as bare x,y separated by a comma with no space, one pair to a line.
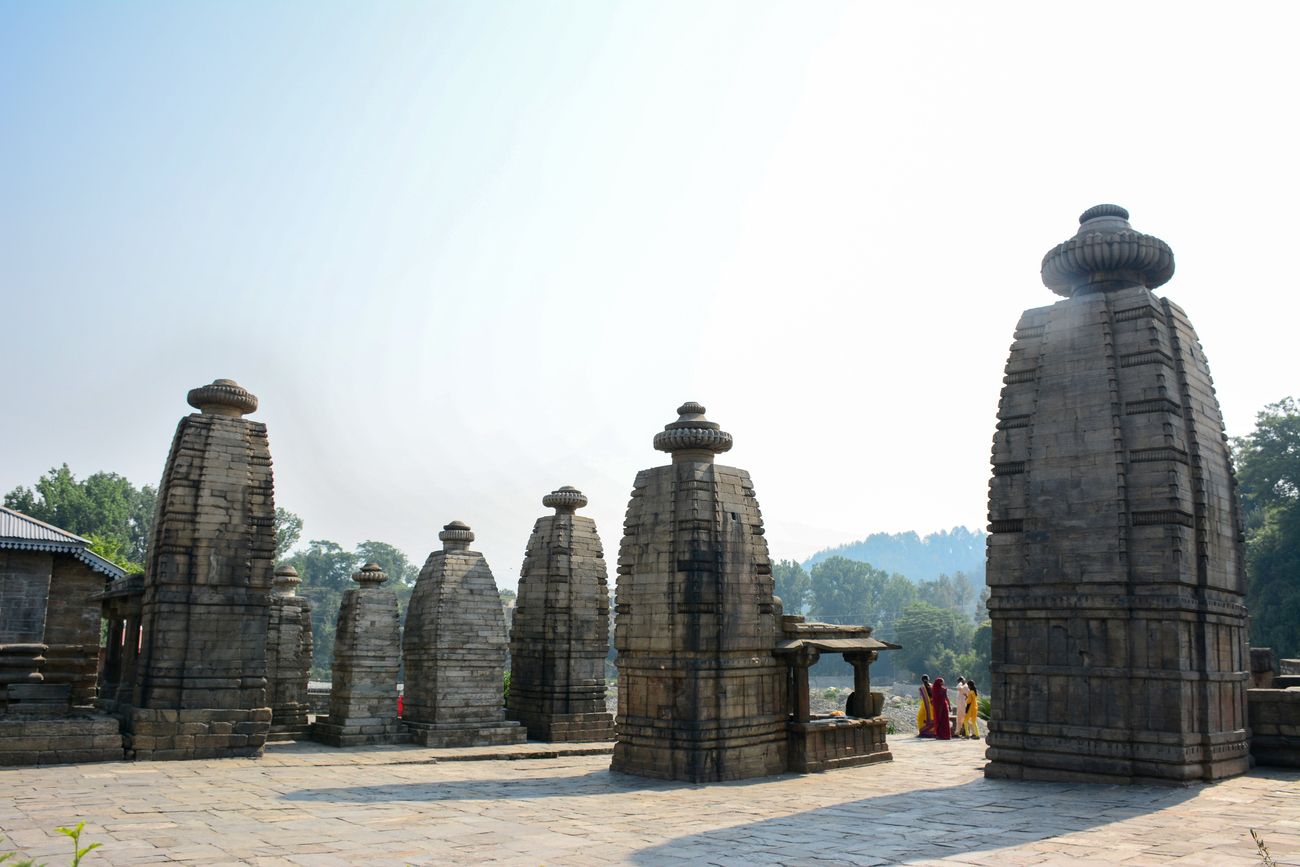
1114,555
200,678
701,694
559,637
288,657
454,649
363,692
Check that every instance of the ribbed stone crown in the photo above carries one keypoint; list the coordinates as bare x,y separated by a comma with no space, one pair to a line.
692,435
456,536
1106,254
371,574
222,397
567,499
286,579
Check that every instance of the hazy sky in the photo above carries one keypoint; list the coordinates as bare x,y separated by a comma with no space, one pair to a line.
467,253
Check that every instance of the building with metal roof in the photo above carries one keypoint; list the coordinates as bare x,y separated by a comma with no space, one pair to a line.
19,532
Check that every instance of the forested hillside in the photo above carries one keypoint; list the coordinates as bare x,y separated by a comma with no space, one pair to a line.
920,558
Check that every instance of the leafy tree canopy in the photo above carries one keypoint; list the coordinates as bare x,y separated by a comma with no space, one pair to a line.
1268,474
103,507
792,584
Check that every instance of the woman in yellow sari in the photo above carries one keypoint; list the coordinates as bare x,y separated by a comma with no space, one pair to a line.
925,711
970,721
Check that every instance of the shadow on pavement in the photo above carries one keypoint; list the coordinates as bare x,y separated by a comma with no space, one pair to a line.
920,825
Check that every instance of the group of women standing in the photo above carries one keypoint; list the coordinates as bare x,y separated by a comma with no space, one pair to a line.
932,717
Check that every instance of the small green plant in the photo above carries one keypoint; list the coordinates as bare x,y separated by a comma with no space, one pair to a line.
78,851
891,729
984,707
831,693
505,686
1264,858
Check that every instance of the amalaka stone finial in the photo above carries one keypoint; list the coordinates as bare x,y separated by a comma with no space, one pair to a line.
566,500
223,397
1106,254
456,536
286,579
371,575
692,436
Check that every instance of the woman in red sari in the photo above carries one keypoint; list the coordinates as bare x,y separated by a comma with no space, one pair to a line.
939,701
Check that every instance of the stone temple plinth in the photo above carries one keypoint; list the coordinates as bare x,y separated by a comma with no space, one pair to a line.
560,634
288,657
454,648
363,693
1114,555
701,696
200,679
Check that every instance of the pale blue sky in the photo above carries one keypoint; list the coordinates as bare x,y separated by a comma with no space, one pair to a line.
468,253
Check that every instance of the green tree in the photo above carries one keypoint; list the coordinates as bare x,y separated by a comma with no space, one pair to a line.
926,632
792,584
103,505
326,571
955,592
288,530
1268,474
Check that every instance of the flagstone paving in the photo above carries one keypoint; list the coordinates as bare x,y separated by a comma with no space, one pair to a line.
311,805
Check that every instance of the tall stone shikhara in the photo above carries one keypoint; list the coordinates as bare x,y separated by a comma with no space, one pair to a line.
701,696
200,688
1114,560
288,656
560,634
367,641
454,648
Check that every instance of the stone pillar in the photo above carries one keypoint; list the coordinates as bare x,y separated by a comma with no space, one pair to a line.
1114,561
862,702
363,698
701,696
288,657
454,648
200,684
560,633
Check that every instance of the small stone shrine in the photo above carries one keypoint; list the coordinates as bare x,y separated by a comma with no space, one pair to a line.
454,648
701,695
363,697
825,741
288,657
49,646
200,679
1114,554
560,634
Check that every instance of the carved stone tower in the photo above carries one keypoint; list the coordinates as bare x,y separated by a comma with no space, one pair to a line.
701,696
454,647
560,635
288,657
200,686
367,641
1114,560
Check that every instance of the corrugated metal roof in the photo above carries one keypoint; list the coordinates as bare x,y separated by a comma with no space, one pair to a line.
25,533
16,525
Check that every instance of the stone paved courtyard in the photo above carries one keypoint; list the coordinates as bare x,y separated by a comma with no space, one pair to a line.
311,805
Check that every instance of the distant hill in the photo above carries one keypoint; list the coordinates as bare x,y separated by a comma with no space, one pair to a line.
919,558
